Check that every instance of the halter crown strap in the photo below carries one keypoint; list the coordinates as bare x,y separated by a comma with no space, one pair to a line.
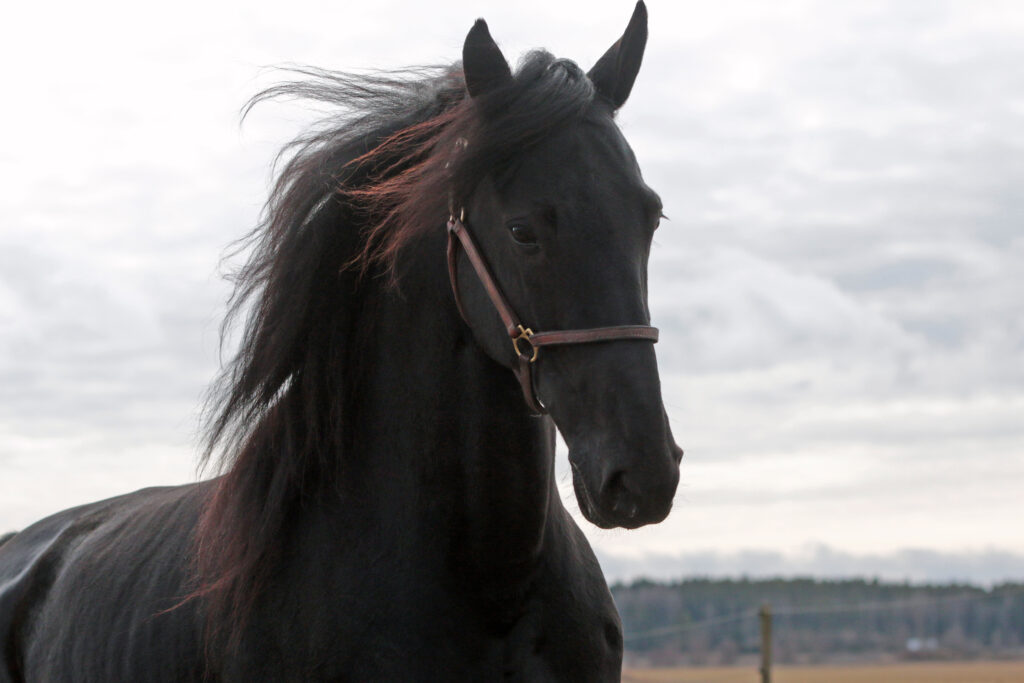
525,342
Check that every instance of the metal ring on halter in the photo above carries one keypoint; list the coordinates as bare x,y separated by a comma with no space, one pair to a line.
525,333
451,213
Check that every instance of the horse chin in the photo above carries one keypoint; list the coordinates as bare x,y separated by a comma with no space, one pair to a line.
592,512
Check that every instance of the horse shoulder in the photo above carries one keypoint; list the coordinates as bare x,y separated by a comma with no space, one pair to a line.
571,630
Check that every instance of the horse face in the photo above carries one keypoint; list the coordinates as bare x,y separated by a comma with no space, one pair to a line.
568,234
566,227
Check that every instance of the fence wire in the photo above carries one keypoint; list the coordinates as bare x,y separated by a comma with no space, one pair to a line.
691,626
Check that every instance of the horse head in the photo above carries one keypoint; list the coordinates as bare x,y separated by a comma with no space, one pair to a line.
564,220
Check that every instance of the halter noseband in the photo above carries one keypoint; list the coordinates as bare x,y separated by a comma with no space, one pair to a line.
525,342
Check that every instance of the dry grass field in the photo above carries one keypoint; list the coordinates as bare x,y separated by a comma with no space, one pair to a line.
920,672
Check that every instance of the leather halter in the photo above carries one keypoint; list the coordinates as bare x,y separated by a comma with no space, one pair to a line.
525,342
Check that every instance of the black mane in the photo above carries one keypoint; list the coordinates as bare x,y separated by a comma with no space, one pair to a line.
354,190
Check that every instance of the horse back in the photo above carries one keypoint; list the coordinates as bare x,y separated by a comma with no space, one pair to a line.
106,581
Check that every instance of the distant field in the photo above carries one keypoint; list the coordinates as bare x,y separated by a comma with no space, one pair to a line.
924,672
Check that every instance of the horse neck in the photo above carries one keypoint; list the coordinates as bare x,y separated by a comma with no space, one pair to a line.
442,437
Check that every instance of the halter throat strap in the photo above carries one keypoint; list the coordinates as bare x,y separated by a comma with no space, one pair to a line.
526,343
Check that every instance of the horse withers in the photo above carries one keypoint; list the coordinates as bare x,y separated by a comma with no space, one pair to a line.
387,508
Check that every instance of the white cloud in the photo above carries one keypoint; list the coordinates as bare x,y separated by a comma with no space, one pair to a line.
839,286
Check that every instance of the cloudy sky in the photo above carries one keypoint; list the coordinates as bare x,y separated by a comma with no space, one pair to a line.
839,288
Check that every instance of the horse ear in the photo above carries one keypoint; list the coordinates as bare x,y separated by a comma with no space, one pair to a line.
615,72
484,65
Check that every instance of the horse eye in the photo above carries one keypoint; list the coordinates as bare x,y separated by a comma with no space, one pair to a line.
522,234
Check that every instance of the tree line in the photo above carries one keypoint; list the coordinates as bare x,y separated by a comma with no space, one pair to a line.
714,621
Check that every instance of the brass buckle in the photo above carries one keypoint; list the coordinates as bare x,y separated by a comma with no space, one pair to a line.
524,333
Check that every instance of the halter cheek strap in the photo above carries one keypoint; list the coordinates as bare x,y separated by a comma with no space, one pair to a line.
525,342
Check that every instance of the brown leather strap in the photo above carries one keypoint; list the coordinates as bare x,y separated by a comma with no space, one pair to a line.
595,334
456,228
524,373
522,336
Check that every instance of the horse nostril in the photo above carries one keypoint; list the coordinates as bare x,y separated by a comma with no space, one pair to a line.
677,454
632,499
618,495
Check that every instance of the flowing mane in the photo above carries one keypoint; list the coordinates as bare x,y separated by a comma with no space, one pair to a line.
354,191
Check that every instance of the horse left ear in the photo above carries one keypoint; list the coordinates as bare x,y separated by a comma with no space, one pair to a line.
484,65
614,74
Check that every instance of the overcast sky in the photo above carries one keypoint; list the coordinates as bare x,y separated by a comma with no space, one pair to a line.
839,288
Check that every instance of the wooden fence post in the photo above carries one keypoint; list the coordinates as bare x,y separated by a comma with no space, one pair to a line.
766,643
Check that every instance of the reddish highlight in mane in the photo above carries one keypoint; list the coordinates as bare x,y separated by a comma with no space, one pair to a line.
410,172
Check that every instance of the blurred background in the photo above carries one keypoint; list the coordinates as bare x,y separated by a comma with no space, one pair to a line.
839,287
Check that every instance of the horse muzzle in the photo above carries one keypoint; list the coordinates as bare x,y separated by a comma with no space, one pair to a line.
630,496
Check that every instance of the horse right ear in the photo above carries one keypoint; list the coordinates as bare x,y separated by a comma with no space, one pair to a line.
484,65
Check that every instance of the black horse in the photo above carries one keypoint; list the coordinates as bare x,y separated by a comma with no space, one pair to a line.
388,509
